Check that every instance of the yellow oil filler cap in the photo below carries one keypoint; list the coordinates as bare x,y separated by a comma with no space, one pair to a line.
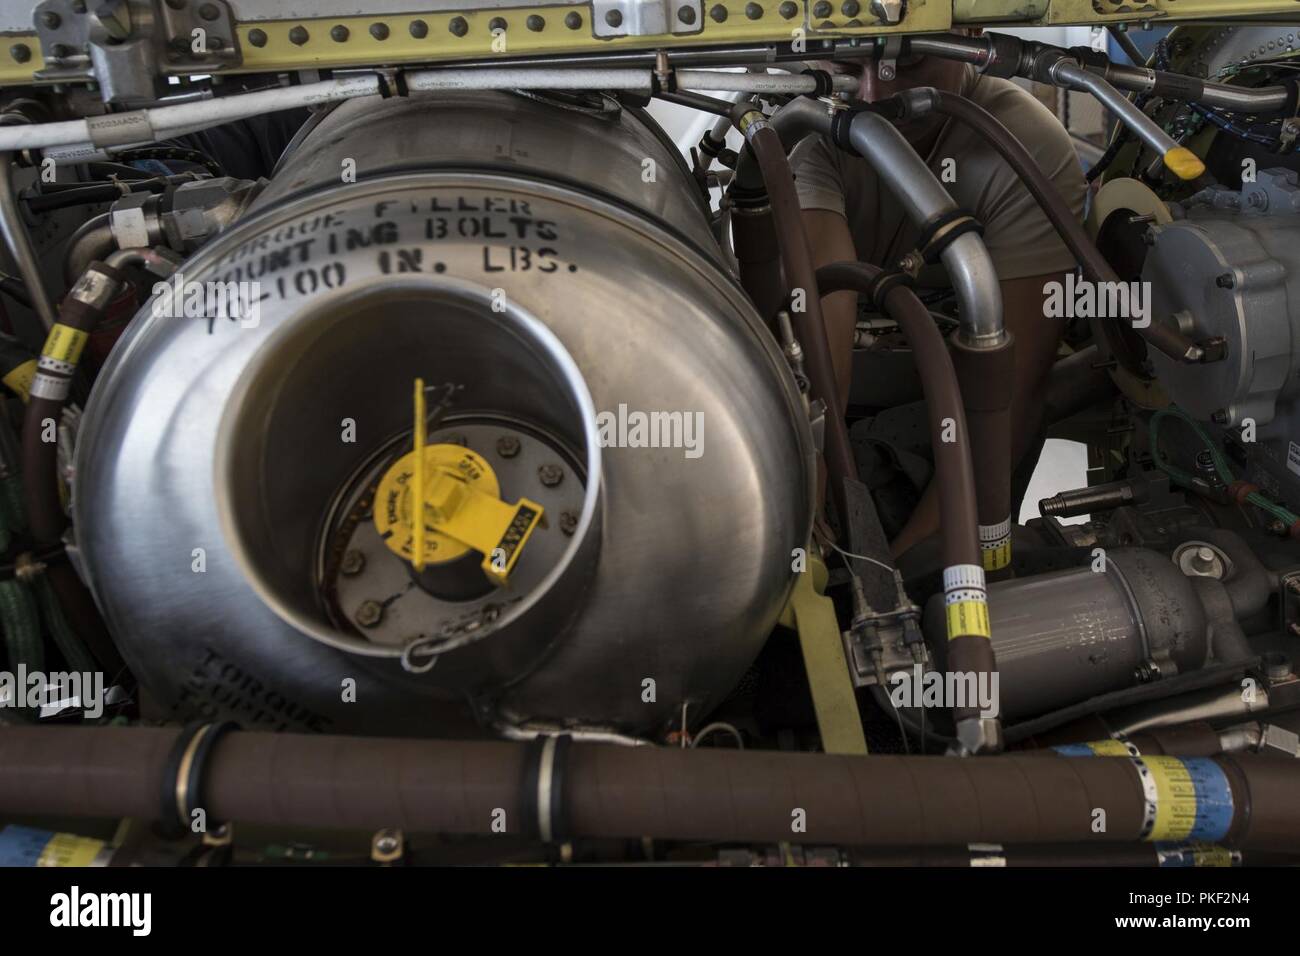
459,497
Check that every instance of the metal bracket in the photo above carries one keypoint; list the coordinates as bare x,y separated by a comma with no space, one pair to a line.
197,34
888,11
646,18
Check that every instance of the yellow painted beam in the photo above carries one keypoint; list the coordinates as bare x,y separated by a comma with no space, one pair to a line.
835,702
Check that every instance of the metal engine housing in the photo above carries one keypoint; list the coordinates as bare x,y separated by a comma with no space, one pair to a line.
200,428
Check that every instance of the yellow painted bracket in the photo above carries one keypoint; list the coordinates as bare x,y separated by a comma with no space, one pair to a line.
812,614
438,502
484,522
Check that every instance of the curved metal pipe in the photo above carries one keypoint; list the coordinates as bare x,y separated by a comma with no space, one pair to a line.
92,240
970,268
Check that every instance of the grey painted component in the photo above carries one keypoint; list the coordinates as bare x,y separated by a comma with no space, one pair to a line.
1066,636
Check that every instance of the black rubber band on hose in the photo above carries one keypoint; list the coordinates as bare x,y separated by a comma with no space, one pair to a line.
557,811
883,284
941,231
842,120
174,819
825,84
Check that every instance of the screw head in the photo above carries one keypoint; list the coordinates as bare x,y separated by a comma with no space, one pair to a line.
339,33
369,614
753,11
353,563
535,23
379,31
508,446
568,523
614,18
458,26
419,29
257,37
686,15
573,20
297,36
209,12
550,475
50,20
20,52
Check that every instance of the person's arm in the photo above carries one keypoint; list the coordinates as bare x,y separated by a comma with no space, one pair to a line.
831,241
1037,338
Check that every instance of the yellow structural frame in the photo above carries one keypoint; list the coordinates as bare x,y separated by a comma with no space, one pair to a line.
320,49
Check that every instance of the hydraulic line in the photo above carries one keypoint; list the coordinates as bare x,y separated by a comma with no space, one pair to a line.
970,651
1095,268
80,313
1000,54
167,122
20,243
555,789
797,259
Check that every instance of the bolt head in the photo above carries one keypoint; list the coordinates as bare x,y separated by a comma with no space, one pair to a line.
508,446
550,475
369,614
353,563
568,523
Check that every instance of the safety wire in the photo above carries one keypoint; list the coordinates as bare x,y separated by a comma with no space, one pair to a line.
1221,466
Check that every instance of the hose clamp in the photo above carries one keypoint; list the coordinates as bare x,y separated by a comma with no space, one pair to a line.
183,775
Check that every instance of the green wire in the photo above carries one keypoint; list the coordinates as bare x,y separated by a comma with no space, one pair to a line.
1221,466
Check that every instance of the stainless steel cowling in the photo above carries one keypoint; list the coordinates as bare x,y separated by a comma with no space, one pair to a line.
210,444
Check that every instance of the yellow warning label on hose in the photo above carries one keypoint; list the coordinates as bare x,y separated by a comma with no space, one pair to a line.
19,379
996,556
968,619
64,344
68,849
1110,748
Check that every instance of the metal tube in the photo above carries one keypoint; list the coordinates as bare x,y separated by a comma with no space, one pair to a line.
20,244
1181,161
165,122
970,268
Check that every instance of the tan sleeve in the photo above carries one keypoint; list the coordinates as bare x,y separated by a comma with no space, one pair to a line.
1019,236
818,176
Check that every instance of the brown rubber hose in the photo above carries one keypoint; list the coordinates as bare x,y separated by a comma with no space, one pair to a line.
954,472
595,790
797,260
954,468
78,315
